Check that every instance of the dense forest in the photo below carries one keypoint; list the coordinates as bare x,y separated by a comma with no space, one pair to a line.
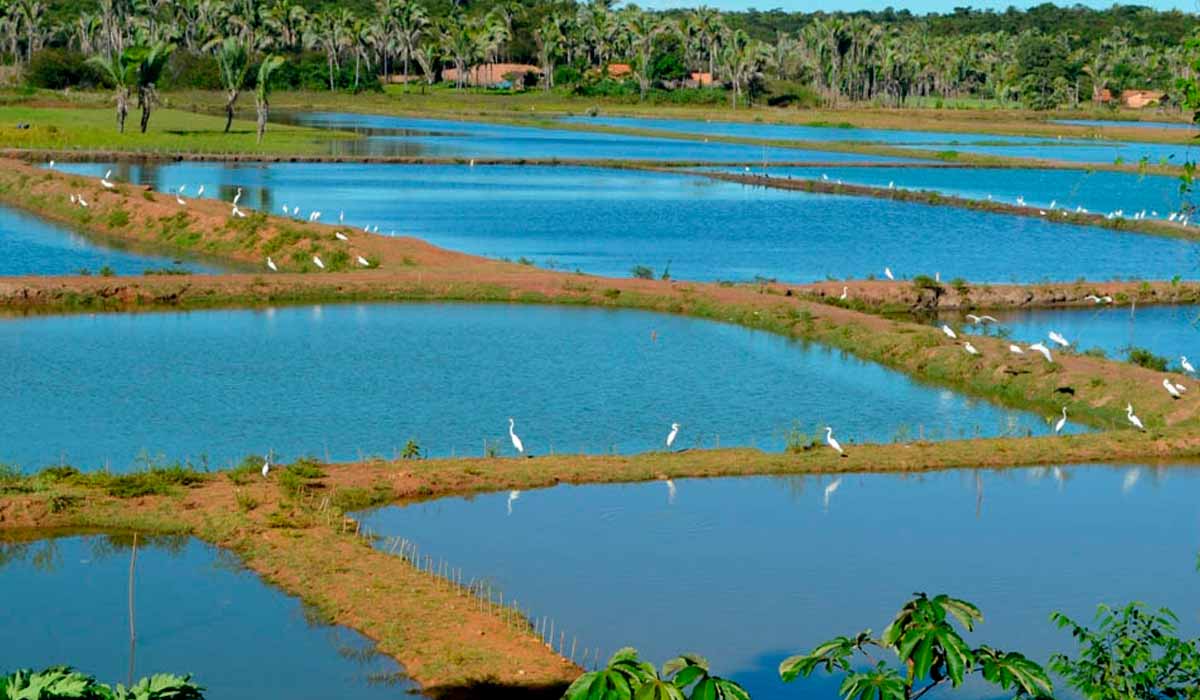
1046,56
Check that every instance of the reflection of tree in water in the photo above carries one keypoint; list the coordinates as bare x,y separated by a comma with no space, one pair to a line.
356,649
45,554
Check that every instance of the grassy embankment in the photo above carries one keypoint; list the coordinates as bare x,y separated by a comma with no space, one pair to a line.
448,103
71,127
55,129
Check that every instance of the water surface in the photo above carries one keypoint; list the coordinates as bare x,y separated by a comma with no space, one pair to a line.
1121,123
606,222
748,571
344,382
32,246
196,611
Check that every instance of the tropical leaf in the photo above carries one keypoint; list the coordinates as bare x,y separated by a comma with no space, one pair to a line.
718,689
834,654
659,690
880,684
1014,670
599,685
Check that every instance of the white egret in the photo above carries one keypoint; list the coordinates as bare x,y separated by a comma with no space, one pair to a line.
178,199
1180,388
1016,349
271,264
1187,366
1058,338
988,319
1020,201
1171,389
238,212
824,177
341,217
363,261
830,489
314,216
285,209
82,202
516,441
200,192
832,442
472,163
949,332
887,272
512,496
317,262
1106,299
340,236
1137,422
973,318
937,277
1045,351
1093,298
266,468
970,349
52,163
72,199
891,184
672,435
237,197
108,185
1061,421
295,211
845,291
1053,202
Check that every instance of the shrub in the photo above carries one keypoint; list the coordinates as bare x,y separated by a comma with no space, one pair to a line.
55,69
642,272
186,70
1144,358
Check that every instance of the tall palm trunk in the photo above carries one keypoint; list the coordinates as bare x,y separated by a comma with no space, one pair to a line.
261,108
231,98
122,108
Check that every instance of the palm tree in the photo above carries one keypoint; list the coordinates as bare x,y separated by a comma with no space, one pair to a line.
121,70
458,40
233,61
410,23
549,37
741,59
643,29
329,32
262,90
31,14
152,60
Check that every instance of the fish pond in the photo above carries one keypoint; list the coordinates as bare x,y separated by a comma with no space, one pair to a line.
747,571
196,611
346,382
1062,149
33,246
607,222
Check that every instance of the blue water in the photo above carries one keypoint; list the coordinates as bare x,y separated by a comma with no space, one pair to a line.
409,136
1096,191
748,571
1168,331
33,246
1124,123
1073,150
196,612
344,382
607,221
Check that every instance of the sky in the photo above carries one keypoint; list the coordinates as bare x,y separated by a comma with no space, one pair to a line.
915,6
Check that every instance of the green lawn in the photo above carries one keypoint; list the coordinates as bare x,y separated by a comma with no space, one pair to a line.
94,128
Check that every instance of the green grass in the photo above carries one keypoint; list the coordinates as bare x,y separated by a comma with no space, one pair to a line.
94,128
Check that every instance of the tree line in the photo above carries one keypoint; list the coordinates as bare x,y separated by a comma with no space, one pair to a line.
1044,57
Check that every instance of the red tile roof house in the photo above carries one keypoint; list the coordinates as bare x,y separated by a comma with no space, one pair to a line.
493,74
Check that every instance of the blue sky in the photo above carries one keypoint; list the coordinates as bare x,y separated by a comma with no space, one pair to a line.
917,6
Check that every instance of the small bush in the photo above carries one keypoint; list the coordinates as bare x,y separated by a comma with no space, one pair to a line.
107,271
1144,358
926,282
358,498
642,272
118,218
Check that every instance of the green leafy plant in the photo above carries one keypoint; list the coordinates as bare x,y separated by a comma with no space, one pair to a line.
931,651
1133,653
65,683
685,677
642,272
